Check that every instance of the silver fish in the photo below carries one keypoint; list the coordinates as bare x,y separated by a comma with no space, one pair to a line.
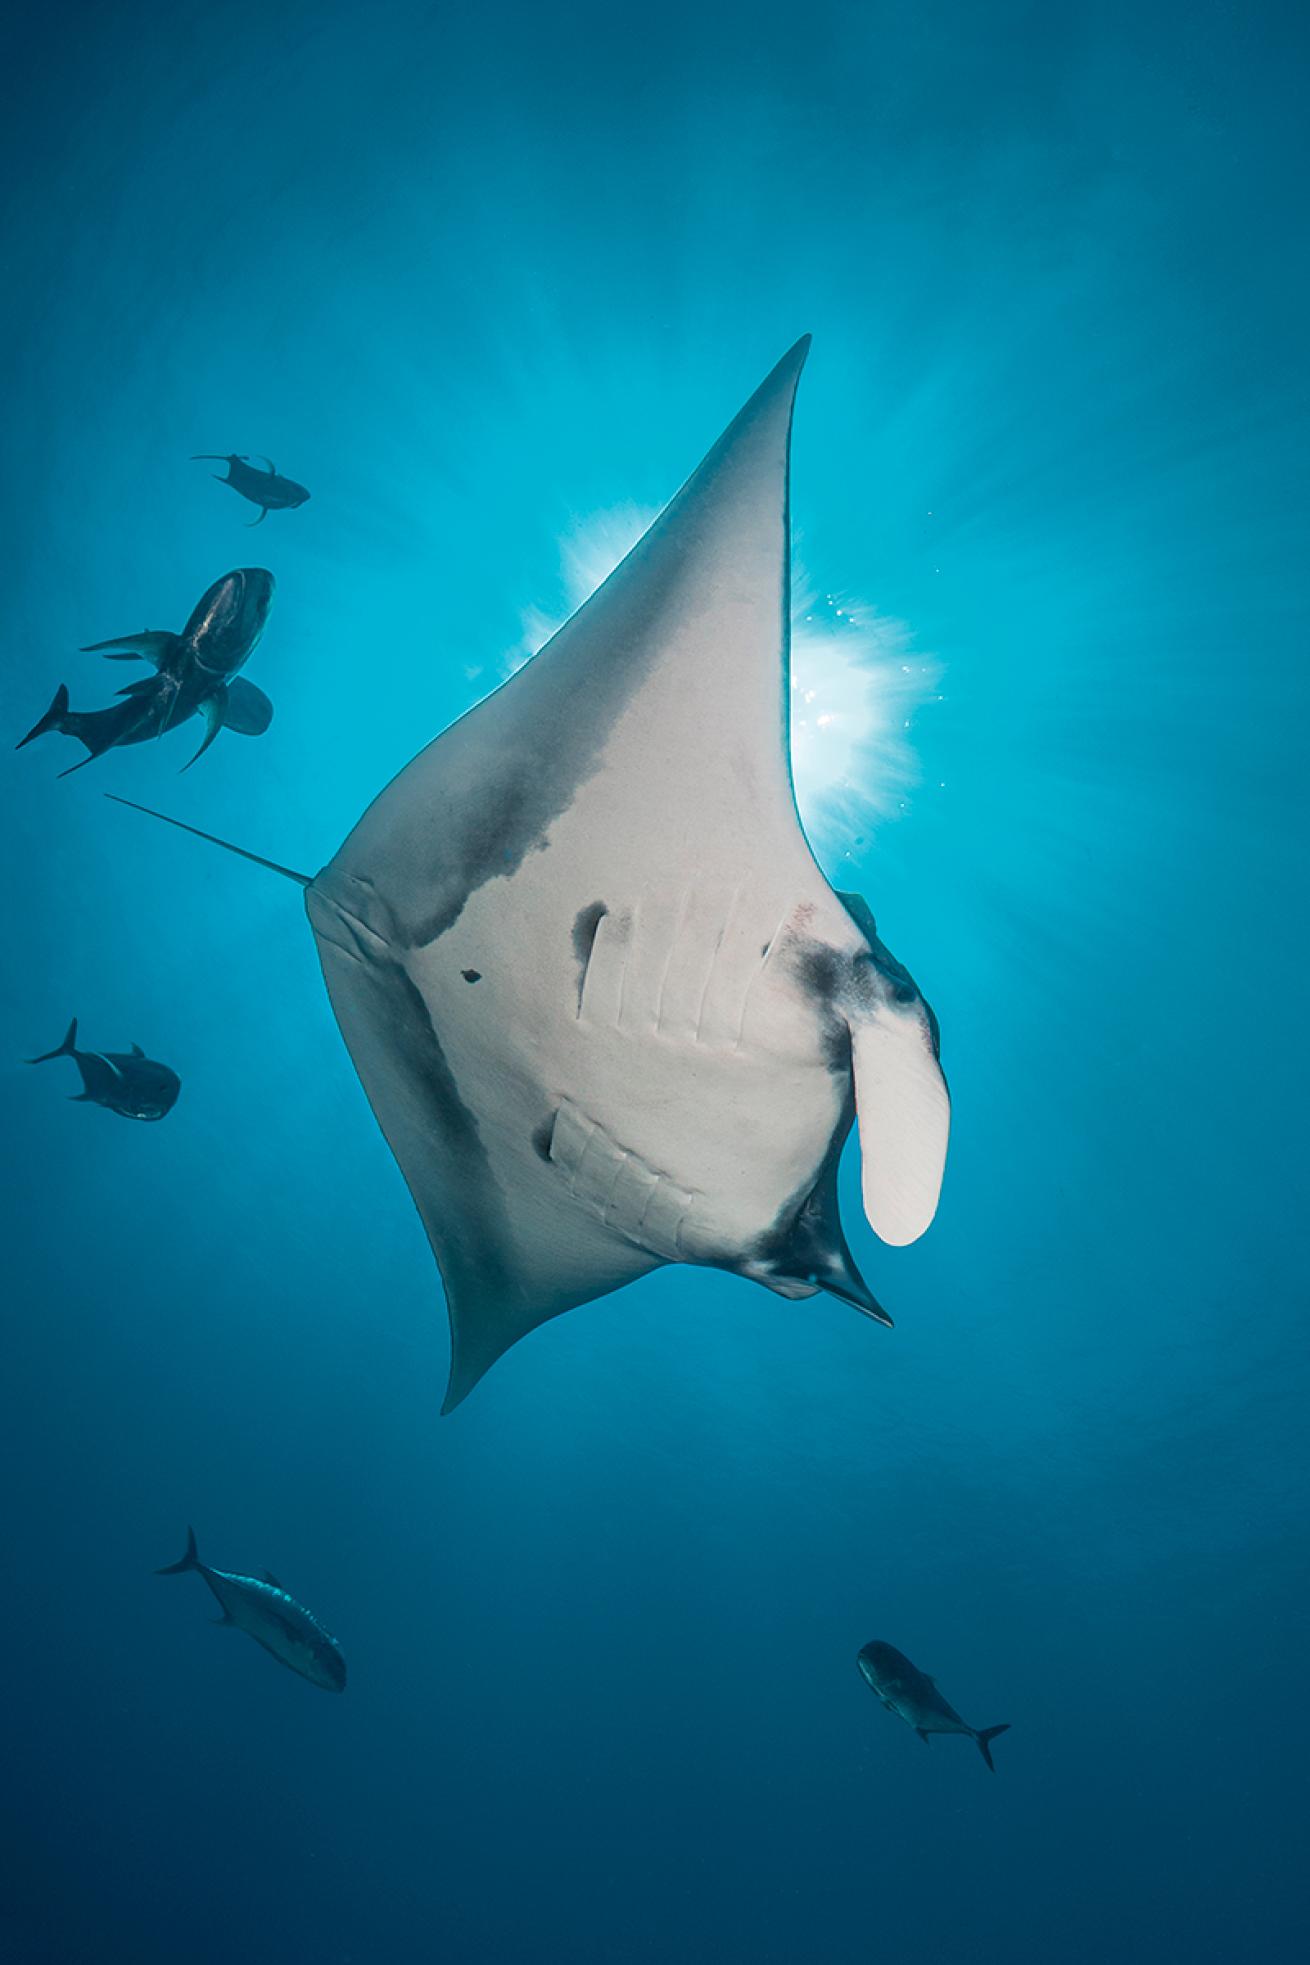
272,1617
126,1082
195,675
266,488
914,1697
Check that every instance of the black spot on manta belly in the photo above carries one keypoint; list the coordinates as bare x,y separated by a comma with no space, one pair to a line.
471,975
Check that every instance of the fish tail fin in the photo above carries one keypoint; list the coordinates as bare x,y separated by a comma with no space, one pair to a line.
984,1737
191,1560
54,718
65,1050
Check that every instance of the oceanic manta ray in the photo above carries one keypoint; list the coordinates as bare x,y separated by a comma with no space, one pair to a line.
607,1010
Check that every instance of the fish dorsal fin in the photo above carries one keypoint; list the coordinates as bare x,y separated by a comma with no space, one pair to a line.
136,1051
271,1579
923,1736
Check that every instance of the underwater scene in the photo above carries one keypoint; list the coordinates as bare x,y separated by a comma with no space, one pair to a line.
673,1326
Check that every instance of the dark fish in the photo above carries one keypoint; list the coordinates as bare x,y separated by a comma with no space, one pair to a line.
266,489
911,1694
126,1082
195,675
267,1613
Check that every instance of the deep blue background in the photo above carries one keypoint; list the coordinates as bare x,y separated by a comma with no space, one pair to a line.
473,277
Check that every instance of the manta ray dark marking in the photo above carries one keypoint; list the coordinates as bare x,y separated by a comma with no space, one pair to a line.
677,1019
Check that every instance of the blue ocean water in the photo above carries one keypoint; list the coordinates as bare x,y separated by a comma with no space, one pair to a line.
479,278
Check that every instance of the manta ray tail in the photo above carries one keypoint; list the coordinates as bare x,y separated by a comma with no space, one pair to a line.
52,720
65,1050
191,1560
288,873
989,1733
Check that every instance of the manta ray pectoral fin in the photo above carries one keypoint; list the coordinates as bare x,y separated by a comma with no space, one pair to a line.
904,1114
513,1253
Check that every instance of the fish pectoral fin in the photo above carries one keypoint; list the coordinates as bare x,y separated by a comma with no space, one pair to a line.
212,709
248,711
923,1736
219,1622
150,645
263,514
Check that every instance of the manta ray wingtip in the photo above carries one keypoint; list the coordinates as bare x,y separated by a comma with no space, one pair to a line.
458,1386
795,356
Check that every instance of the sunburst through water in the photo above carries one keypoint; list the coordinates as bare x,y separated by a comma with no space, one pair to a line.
856,682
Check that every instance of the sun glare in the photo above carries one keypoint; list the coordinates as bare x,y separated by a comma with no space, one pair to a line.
856,682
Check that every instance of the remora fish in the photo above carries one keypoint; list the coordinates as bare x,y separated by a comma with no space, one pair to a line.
914,1697
267,1613
126,1082
196,674
266,489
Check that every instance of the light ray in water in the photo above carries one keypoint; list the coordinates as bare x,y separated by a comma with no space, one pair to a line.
856,682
